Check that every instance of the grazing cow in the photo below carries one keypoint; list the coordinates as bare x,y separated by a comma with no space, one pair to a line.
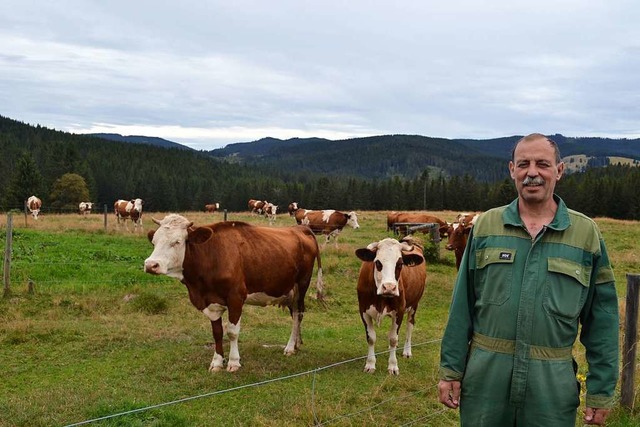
270,211
229,264
458,233
34,205
330,223
293,207
84,208
211,208
256,206
131,209
417,218
391,282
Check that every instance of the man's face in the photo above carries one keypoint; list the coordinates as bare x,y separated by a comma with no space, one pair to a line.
535,171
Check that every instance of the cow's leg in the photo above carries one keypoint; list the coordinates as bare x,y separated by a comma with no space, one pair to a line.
396,320
370,330
411,318
215,315
294,339
233,330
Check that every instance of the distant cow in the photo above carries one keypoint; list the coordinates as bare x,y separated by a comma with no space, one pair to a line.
84,208
229,264
458,234
417,218
330,223
131,209
34,205
211,208
256,206
391,282
292,208
270,211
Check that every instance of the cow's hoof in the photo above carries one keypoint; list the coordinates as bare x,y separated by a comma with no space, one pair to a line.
233,368
394,371
406,355
215,368
369,370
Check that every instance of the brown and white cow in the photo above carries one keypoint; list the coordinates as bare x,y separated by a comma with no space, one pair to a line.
270,210
292,208
84,208
34,205
229,264
417,218
330,223
256,206
212,207
391,282
129,209
458,234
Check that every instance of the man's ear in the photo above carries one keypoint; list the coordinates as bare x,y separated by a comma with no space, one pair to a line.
512,170
560,171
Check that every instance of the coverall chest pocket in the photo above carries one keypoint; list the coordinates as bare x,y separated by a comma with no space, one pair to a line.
566,288
494,272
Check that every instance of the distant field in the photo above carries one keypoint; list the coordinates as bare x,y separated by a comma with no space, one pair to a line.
99,338
578,162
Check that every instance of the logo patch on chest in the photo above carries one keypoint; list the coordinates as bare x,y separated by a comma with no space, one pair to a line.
505,256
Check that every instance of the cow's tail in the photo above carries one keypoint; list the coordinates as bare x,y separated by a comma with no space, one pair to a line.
319,281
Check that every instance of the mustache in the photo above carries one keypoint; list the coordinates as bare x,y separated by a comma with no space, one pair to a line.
533,181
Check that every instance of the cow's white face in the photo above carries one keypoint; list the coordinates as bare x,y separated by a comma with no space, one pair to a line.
169,246
137,205
353,220
388,259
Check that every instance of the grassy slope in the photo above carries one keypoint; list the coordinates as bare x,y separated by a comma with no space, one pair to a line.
80,349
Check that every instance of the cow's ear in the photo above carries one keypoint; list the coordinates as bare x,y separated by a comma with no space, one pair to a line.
467,230
199,235
150,234
412,259
365,254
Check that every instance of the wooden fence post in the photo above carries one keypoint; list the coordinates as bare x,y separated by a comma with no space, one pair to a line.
7,257
105,217
627,387
225,215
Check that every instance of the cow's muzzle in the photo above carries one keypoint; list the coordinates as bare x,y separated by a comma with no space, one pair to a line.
389,289
151,267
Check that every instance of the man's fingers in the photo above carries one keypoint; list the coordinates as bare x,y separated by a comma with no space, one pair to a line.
449,393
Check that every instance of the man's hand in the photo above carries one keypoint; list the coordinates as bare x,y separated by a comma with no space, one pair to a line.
596,416
449,393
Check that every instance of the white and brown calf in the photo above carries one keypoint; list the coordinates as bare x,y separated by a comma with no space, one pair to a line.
391,283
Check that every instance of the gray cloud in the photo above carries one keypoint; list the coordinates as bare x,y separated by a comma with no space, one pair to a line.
210,73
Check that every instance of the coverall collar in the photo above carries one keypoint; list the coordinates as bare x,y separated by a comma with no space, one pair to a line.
561,220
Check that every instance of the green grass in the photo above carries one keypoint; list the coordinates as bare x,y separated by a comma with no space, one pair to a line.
100,337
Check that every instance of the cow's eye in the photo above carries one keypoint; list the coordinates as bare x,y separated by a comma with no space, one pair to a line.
378,265
398,268
175,243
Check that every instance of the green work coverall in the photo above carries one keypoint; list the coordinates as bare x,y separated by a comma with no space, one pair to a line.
517,306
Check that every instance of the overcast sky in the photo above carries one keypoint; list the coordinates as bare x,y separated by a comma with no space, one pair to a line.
207,73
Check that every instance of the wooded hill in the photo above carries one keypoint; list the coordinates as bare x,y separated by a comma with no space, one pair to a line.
397,172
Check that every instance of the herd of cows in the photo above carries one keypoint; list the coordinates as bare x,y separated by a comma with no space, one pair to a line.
225,266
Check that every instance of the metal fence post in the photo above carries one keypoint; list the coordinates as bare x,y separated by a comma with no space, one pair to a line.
627,386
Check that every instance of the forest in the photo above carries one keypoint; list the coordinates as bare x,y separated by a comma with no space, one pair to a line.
35,159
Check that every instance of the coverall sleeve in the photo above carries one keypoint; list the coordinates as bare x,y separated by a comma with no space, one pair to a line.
599,334
459,329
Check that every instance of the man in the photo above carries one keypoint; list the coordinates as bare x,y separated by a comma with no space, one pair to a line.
532,273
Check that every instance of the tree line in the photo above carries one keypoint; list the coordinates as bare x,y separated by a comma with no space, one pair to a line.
56,166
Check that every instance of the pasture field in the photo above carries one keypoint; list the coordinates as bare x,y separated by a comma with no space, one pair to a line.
100,342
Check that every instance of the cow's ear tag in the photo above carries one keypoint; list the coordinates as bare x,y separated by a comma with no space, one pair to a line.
200,235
